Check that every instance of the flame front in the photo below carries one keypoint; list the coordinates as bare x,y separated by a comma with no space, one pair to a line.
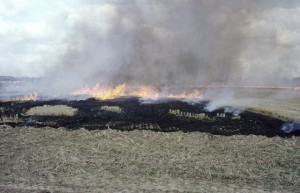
144,91
31,97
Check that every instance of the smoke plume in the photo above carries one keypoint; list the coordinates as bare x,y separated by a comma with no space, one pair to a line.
291,127
178,42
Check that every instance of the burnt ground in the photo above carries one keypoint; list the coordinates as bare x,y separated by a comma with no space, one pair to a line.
152,116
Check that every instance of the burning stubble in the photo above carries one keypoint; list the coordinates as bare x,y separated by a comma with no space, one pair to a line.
174,43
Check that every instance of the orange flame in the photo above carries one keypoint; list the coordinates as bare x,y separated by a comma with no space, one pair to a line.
143,91
31,97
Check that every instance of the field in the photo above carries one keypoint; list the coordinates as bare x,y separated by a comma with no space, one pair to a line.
287,111
281,104
88,146
58,160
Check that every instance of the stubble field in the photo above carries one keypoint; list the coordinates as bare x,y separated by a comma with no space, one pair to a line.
47,159
58,160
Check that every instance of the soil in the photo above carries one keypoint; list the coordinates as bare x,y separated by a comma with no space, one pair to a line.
151,116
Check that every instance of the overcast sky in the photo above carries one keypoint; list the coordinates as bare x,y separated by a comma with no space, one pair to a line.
34,34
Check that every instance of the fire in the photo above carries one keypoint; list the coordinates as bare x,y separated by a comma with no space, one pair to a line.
144,91
31,97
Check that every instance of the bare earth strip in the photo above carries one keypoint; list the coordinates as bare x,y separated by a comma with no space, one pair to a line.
57,160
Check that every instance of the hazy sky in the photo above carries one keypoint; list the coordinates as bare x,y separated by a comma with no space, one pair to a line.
35,34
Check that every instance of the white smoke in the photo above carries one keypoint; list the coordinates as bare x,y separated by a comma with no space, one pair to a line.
180,42
161,43
291,127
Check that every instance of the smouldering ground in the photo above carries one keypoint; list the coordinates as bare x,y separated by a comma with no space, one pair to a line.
57,160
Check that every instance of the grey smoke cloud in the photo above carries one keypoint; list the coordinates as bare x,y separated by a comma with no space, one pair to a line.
169,43
181,42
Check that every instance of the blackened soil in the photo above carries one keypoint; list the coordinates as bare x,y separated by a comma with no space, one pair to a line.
138,116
